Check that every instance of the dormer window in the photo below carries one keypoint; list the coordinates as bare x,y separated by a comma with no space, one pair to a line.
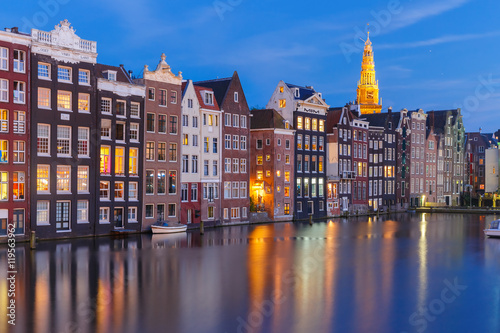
209,98
297,93
110,75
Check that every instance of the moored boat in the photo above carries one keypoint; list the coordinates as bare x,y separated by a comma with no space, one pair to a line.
494,230
168,228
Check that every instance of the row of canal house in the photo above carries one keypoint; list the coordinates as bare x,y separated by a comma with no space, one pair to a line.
112,151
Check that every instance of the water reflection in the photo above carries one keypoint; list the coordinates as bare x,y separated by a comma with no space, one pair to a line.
357,275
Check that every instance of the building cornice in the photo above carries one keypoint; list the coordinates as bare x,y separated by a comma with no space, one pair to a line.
121,88
162,73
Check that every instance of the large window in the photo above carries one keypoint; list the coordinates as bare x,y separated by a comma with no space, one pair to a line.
227,141
150,151
163,97
4,186
4,90
18,185
184,192
132,214
194,192
150,179
172,182
120,131
227,190
63,179
83,102
185,163
173,124
106,129
161,181
132,161
133,191
104,215
82,213
44,98
172,152
84,77
119,191
19,92
134,132
194,164
19,122
42,213
4,58
43,139
120,108
64,100
135,110
106,105
4,151
19,152
63,141
119,160
162,123
150,122
243,189
162,151
42,178
83,141
104,190
105,161
83,179
64,74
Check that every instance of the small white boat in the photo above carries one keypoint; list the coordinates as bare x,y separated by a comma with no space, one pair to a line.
494,230
168,228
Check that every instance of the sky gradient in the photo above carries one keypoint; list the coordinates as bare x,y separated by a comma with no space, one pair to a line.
432,55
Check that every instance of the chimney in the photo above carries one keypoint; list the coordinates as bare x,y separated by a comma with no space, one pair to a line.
389,109
130,73
15,30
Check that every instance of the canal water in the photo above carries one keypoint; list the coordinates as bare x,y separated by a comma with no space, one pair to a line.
403,273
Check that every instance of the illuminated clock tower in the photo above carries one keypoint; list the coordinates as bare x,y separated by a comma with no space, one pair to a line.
368,99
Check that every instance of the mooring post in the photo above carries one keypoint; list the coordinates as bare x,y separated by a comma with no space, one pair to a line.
33,240
202,229
310,219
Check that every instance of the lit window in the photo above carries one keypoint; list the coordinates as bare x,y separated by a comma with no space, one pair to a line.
105,161
4,121
150,151
44,98
307,123
4,186
63,178
119,160
18,185
314,125
173,152
282,103
161,182
104,190
151,94
162,153
83,179
83,102
173,124
63,141
119,195
64,100
133,158
171,210
172,182
300,123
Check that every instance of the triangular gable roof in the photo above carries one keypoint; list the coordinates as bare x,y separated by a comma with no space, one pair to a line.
199,93
316,99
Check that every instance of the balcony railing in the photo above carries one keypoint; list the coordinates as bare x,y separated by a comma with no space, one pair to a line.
74,43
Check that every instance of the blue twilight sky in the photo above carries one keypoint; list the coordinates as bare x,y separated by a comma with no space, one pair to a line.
429,54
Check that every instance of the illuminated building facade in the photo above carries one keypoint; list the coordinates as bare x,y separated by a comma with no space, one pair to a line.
14,131
272,161
63,159
120,139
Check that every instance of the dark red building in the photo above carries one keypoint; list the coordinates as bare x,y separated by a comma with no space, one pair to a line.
14,131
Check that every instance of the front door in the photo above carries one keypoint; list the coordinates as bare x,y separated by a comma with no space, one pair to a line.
310,207
189,216
19,221
118,217
62,215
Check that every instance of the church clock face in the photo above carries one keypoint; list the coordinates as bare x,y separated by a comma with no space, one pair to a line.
369,94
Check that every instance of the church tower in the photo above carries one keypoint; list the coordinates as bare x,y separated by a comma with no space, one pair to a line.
368,98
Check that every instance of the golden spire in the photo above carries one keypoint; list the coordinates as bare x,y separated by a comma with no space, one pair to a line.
368,93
